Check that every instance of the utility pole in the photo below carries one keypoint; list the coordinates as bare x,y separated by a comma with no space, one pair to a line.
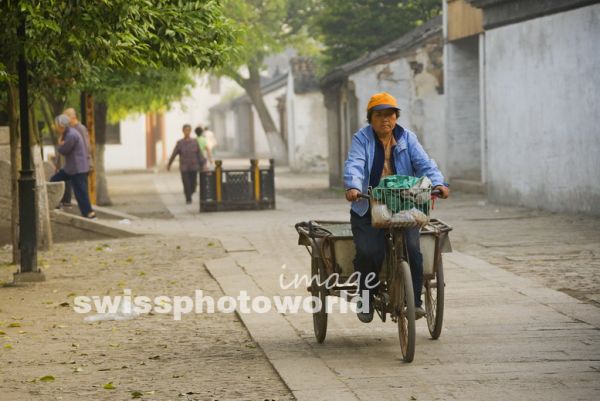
27,208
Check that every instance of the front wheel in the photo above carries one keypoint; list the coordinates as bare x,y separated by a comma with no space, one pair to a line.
434,302
319,315
406,313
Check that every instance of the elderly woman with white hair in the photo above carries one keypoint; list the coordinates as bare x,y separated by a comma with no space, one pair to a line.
77,166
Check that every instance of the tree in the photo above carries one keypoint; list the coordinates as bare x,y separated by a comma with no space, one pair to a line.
71,45
266,27
350,29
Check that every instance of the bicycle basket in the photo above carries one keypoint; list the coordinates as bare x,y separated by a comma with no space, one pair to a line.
401,207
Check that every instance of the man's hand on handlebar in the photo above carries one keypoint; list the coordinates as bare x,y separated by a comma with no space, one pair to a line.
352,194
444,191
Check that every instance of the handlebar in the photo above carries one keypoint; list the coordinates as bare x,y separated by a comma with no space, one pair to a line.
436,193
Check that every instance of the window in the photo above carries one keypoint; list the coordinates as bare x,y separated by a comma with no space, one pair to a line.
113,133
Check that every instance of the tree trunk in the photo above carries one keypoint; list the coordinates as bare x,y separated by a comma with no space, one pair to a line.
276,144
15,163
44,229
102,197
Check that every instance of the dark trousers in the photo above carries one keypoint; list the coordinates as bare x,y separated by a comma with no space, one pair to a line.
68,193
79,183
370,252
190,182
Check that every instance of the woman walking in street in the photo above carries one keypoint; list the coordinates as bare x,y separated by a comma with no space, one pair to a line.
190,160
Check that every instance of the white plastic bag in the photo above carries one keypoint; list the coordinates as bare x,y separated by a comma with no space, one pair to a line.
123,313
380,215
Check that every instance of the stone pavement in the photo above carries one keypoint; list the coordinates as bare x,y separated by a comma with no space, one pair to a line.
505,336
48,352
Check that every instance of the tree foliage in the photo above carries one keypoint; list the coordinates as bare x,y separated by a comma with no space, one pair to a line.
350,29
76,43
126,93
265,27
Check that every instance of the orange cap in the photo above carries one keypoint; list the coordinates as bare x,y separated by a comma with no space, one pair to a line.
383,100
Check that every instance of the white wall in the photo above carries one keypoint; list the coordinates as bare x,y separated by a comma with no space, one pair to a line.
542,111
131,153
308,142
417,94
463,109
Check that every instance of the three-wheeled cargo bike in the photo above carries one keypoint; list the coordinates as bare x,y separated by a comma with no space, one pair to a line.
332,250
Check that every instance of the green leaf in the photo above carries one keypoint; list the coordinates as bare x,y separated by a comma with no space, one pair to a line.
109,386
46,379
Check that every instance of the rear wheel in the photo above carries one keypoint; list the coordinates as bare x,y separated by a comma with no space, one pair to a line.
434,302
406,311
320,315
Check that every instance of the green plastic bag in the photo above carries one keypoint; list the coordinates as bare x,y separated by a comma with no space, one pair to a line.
402,192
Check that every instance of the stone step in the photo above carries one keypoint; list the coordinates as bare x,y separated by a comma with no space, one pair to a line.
103,213
71,227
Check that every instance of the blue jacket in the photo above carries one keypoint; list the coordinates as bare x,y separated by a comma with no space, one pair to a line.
409,159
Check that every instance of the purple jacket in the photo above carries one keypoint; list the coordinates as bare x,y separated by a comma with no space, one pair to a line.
189,154
75,152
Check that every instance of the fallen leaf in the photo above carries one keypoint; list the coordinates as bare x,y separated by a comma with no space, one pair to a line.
71,294
47,378
109,386
136,394
8,346
2,333
14,324
155,357
64,304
